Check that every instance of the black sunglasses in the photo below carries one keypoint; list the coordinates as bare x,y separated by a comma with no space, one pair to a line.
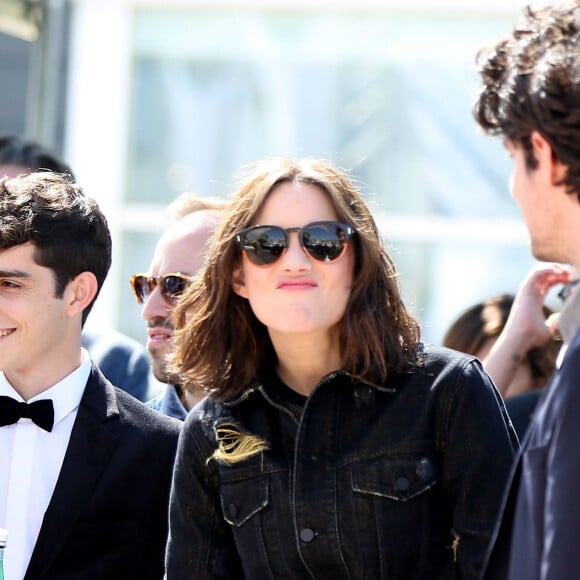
323,241
170,285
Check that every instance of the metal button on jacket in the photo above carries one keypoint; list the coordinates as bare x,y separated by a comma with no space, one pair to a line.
402,483
307,535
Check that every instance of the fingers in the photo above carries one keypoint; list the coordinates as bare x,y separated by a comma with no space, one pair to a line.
542,279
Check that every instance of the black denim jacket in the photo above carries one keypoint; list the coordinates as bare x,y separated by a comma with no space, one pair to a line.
401,481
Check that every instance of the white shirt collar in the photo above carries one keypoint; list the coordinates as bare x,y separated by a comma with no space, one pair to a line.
66,395
569,320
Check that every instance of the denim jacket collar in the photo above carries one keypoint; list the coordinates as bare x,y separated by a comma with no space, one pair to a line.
257,386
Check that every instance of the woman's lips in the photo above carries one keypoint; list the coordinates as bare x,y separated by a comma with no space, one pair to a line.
296,285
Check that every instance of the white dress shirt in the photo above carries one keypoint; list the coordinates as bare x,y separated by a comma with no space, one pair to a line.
30,462
569,322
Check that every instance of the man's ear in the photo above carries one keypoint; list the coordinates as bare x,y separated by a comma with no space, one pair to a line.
239,282
552,167
80,292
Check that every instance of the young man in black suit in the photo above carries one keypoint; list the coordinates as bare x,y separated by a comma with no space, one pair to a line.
86,468
121,359
531,97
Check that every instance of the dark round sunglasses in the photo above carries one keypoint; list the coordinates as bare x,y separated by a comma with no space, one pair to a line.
323,241
170,285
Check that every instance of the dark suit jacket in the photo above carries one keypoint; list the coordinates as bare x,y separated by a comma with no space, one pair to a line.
107,518
521,409
539,530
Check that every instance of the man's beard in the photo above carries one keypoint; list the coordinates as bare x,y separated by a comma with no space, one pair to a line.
160,366
160,355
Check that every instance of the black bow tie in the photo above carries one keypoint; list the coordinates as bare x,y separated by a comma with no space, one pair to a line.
40,412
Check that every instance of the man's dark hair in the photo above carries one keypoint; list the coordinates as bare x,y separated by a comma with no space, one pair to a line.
67,228
531,82
30,155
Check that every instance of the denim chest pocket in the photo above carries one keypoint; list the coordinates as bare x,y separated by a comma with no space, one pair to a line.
245,493
243,499
399,478
396,502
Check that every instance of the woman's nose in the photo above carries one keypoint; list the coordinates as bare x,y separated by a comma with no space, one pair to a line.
295,256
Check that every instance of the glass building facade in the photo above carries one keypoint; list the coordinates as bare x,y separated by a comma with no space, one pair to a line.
194,92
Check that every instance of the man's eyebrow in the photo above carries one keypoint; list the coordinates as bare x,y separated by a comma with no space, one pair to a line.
14,274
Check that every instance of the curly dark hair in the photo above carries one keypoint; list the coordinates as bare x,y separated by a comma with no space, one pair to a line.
531,82
68,230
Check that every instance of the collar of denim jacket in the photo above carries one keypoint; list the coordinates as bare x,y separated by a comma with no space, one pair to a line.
259,386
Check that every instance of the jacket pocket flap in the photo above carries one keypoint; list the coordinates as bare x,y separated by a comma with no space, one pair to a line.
396,477
240,500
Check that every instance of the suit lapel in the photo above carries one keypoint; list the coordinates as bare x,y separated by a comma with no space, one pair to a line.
87,455
497,560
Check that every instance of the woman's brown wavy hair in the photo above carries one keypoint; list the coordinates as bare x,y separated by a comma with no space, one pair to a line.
219,342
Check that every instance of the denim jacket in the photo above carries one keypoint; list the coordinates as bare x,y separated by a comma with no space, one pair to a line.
401,481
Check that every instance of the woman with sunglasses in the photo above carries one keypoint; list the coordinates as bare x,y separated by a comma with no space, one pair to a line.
333,443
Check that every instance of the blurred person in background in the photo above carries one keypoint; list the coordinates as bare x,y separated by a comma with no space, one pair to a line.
525,357
332,443
477,329
178,256
530,96
121,359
